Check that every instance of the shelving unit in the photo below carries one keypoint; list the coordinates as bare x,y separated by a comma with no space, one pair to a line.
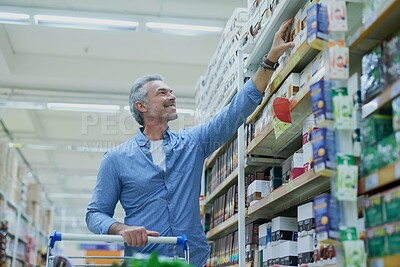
224,228
381,100
303,55
380,178
365,37
296,192
284,11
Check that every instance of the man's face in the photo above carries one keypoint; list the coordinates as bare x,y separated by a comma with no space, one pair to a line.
161,101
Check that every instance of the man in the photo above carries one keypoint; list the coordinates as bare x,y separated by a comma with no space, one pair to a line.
156,174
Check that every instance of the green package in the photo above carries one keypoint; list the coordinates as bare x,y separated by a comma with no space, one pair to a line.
393,238
375,128
369,160
376,242
396,113
391,205
346,178
373,211
342,108
354,253
387,151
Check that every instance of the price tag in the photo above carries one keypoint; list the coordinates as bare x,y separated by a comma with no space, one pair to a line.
377,263
296,58
280,127
277,81
397,171
371,181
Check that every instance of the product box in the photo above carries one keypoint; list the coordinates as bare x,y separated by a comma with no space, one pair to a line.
324,253
372,78
257,190
305,219
288,253
376,241
343,109
284,228
337,15
391,205
305,77
338,59
309,125
391,51
322,105
387,150
317,63
290,86
326,218
396,113
346,178
305,249
373,210
275,183
393,238
369,160
262,235
375,128
274,258
317,26
354,253
324,154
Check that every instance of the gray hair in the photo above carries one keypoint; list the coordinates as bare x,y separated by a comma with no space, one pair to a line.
138,93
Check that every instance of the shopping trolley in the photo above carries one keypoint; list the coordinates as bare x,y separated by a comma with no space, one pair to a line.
57,236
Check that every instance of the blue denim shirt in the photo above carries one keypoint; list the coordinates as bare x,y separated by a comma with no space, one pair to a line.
167,202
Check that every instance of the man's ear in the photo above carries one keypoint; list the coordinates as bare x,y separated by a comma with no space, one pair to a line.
140,106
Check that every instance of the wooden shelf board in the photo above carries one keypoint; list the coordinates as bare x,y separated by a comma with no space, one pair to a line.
376,28
221,188
381,100
387,261
284,11
382,177
298,61
223,228
297,191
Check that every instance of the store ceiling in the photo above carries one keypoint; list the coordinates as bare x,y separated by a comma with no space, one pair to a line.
41,64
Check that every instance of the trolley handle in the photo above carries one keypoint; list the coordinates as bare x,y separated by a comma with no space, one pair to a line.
57,236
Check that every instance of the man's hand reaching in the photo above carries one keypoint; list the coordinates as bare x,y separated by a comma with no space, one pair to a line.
279,45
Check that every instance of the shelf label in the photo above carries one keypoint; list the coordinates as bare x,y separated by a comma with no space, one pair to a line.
279,127
397,171
277,81
371,181
377,263
296,58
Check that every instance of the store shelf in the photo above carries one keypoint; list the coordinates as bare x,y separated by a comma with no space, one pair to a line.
221,188
387,261
303,55
288,142
381,100
377,28
223,228
285,10
294,193
382,177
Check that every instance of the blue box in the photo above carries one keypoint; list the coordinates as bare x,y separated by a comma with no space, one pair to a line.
317,26
322,105
326,218
324,152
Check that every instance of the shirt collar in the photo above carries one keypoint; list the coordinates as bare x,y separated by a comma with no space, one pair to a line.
142,140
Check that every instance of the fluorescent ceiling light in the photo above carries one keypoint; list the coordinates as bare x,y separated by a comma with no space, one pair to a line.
40,147
173,27
21,105
83,107
14,18
182,111
85,23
